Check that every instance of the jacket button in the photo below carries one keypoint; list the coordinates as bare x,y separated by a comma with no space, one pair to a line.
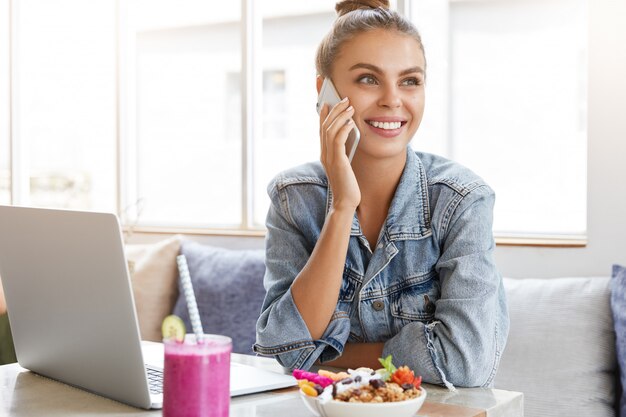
378,305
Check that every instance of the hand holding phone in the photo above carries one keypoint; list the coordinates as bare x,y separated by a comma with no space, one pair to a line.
328,94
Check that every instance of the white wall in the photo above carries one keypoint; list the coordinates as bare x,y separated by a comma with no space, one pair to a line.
606,166
606,215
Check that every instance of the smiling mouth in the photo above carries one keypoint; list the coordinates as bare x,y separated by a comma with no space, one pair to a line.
385,125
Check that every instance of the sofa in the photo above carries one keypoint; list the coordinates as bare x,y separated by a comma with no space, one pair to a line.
561,351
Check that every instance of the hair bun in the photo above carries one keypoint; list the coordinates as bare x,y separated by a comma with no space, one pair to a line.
347,6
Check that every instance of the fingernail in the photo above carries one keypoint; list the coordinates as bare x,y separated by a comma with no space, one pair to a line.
350,108
349,122
343,100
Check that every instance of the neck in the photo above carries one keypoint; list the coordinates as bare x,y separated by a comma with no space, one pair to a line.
378,178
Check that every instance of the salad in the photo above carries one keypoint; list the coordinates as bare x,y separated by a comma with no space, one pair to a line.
363,385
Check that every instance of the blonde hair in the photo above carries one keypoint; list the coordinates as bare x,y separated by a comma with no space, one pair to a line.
358,16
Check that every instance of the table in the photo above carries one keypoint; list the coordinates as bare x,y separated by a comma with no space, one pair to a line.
25,394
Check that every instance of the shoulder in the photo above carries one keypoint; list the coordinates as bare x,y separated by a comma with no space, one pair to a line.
445,173
311,174
456,192
299,194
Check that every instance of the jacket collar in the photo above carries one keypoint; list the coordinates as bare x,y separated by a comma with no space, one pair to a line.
409,213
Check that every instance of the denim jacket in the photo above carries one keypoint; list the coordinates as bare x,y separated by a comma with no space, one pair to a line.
429,290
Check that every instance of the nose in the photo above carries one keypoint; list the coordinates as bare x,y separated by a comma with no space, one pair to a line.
390,97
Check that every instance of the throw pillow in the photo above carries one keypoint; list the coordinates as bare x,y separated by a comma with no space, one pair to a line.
228,285
561,347
618,306
153,274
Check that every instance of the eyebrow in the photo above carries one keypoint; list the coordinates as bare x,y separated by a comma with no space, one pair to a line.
379,71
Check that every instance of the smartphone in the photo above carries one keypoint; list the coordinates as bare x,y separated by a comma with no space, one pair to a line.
328,94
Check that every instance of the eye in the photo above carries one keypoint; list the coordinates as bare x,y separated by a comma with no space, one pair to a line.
367,79
413,81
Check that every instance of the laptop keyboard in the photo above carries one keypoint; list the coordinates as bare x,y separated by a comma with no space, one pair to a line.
155,380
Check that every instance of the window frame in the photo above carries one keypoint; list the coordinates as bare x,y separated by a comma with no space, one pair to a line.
251,108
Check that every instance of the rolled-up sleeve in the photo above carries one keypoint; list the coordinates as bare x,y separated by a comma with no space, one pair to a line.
280,331
463,344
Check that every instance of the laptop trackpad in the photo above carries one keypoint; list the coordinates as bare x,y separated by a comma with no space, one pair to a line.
245,379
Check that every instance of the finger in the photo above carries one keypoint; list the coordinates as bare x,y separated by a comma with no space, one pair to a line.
336,110
342,137
337,124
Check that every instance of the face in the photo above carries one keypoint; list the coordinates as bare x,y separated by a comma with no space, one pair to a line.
382,73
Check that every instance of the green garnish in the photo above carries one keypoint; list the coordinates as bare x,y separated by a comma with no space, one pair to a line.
386,363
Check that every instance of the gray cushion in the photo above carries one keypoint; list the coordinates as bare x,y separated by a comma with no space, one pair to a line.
618,306
229,290
561,347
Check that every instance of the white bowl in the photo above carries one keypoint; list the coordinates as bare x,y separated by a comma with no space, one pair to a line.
332,408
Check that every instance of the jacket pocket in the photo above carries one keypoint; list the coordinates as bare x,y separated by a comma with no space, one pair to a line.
413,299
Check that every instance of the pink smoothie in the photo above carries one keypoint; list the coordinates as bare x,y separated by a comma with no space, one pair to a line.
196,380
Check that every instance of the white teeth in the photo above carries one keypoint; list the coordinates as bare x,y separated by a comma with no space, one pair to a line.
386,125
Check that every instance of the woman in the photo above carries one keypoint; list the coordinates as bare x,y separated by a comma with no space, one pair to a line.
389,254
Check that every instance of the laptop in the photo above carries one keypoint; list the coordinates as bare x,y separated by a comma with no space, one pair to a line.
72,312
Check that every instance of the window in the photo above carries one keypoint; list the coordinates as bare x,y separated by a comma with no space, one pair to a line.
177,114
63,104
291,34
180,73
507,97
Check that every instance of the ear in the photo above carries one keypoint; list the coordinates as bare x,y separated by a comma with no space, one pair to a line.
320,80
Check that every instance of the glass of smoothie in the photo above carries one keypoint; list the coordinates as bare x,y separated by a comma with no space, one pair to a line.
196,377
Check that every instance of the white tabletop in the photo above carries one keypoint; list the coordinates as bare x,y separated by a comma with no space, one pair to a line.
25,394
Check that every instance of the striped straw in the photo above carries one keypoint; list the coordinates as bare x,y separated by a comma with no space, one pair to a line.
192,306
